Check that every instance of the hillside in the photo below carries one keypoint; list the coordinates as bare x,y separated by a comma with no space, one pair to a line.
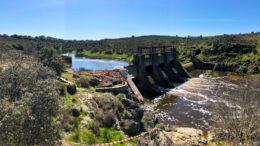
241,48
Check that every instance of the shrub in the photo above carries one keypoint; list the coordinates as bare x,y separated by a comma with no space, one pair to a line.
240,121
30,105
84,83
71,89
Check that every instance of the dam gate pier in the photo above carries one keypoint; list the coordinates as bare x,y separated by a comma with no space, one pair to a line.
155,68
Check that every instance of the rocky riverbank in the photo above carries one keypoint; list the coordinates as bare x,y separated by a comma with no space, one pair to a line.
91,112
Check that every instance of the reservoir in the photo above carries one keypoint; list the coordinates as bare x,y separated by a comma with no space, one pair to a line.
95,64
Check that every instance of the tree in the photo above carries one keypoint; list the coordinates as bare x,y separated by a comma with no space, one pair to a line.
239,121
30,105
49,57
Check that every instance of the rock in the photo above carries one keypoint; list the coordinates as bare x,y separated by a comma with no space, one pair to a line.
76,76
254,70
169,128
142,142
129,103
71,89
131,127
94,82
84,83
149,121
109,119
241,69
137,114
188,136
155,138
75,112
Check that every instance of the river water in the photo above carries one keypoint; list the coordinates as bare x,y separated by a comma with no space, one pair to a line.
95,64
190,103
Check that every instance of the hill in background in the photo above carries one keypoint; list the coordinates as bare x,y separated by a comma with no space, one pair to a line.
241,48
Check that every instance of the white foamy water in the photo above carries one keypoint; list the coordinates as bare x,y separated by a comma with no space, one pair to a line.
189,104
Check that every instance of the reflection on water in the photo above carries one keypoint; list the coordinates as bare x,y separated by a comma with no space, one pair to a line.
189,104
95,64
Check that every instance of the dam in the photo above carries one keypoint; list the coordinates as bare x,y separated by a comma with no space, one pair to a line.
155,68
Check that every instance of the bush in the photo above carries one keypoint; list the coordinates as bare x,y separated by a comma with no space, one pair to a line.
49,57
84,83
71,89
30,105
240,121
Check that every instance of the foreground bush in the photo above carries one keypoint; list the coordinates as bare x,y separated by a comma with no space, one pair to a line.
30,105
239,121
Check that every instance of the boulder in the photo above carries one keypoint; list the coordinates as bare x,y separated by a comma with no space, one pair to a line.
84,83
94,82
254,70
109,119
241,69
131,127
71,89
137,114
155,138
129,103
149,121
76,76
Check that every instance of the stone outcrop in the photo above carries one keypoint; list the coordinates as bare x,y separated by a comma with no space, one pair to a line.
120,113
156,137
198,64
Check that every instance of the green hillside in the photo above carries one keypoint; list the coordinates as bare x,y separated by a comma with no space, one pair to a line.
241,48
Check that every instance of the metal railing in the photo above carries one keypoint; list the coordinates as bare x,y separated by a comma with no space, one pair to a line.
154,50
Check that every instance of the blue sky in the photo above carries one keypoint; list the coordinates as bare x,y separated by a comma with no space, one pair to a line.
98,19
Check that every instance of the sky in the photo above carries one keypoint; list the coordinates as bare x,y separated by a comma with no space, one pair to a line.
99,19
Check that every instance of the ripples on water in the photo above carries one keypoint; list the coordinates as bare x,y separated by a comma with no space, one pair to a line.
189,104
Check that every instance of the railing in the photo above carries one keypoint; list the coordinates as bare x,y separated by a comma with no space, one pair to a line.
154,50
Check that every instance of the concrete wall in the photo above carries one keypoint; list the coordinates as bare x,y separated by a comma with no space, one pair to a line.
158,66
115,89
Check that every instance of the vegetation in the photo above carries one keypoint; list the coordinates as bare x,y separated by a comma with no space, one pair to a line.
30,104
239,121
105,135
105,55
224,48
49,57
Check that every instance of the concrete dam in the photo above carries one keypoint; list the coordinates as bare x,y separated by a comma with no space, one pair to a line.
156,67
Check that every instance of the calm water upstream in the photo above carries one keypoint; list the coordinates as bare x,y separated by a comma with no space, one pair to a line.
189,104
95,64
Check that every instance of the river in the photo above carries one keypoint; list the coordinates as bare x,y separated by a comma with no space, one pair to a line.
190,103
95,64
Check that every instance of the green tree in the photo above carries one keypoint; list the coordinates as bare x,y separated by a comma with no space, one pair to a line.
30,105
51,58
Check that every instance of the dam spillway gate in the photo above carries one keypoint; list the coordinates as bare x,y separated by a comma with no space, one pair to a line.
157,67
